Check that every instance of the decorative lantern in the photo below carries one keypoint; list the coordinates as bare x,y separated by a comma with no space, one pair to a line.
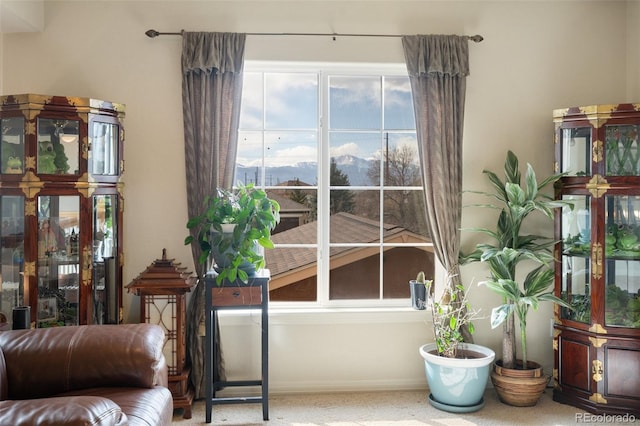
162,288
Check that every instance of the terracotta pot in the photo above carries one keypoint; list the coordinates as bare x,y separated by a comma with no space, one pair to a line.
519,387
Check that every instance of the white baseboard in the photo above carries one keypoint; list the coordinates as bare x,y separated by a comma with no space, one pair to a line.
328,387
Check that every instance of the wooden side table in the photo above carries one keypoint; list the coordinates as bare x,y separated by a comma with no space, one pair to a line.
234,296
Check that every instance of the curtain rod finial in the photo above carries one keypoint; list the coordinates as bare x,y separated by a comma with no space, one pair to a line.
477,38
152,33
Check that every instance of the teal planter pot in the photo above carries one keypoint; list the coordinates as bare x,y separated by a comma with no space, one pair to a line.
457,384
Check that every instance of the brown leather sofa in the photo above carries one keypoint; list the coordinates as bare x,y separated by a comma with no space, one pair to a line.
84,375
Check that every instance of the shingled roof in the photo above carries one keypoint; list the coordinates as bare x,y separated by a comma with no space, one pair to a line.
344,228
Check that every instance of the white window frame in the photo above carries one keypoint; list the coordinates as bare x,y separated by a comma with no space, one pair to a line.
324,70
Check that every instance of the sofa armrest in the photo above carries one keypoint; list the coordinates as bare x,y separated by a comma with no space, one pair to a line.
48,361
70,411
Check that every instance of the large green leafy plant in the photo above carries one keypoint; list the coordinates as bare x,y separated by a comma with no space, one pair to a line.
510,247
250,214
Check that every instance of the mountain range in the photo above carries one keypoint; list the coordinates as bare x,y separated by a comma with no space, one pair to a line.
354,167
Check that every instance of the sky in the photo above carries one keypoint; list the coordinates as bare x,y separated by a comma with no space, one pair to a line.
291,123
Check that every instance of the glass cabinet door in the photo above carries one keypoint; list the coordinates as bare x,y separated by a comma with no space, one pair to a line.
58,146
11,257
58,267
576,151
106,291
104,148
622,272
12,148
623,153
576,246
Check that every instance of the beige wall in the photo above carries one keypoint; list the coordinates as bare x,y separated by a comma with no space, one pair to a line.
633,51
537,56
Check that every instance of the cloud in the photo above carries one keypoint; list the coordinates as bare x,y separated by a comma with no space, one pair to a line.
350,148
292,155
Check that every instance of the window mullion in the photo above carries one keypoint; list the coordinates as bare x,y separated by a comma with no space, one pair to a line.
323,192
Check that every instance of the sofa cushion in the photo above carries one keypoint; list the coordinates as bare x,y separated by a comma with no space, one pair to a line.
143,407
72,411
48,361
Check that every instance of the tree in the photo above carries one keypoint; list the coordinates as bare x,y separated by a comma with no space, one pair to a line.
340,200
401,170
296,194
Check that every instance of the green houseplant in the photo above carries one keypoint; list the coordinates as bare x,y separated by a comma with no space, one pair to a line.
233,227
510,247
457,372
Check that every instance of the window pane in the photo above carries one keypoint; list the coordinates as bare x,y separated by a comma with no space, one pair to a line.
291,156
401,165
293,273
402,264
249,157
353,157
291,100
298,212
355,273
252,112
405,217
398,104
355,103
354,216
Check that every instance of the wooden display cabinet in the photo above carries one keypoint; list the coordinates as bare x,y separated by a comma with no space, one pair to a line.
61,209
597,343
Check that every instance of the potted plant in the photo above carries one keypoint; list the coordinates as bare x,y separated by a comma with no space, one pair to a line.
457,372
518,382
418,292
233,228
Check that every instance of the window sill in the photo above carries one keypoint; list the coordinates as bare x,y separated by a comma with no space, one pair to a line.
316,315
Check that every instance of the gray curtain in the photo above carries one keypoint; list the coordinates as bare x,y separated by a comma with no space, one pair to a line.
437,67
211,89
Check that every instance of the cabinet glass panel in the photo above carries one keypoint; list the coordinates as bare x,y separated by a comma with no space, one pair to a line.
622,273
105,297
11,257
576,151
58,260
12,148
104,148
623,153
576,238
58,146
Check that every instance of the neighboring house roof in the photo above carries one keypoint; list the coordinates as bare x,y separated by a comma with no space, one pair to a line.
294,182
287,205
288,265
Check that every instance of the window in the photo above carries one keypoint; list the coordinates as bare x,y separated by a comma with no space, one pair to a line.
336,146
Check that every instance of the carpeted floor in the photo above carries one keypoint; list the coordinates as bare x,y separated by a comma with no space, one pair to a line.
398,408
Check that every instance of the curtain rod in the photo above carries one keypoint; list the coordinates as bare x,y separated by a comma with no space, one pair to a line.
153,33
